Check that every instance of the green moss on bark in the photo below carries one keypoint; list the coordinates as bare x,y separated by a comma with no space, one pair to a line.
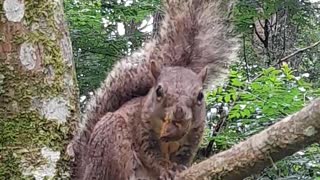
8,165
52,58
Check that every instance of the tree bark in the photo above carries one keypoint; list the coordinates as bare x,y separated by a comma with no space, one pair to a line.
38,90
282,139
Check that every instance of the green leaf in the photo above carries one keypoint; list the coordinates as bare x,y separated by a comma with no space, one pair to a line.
227,98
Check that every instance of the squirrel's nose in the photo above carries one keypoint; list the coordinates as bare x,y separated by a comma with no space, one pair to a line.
179,114
179,109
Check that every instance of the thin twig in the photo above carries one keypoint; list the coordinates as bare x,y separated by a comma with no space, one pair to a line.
296,52
258,35
245,58
289,56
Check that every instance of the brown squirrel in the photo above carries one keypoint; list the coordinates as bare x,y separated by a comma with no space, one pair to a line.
147,119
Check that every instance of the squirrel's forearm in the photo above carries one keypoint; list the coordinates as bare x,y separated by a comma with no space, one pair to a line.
150,151
189,148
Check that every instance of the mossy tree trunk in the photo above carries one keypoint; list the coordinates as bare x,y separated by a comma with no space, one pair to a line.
38,90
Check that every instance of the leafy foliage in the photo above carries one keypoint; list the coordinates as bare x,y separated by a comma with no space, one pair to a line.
261,91
254,105
302,165
102,32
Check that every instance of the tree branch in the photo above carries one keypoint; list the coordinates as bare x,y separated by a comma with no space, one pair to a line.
289,56
282,139
258,35
296,52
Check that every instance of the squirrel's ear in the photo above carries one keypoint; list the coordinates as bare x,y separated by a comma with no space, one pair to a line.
203,74
155,69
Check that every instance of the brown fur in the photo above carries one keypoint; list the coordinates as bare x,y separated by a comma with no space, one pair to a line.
194,34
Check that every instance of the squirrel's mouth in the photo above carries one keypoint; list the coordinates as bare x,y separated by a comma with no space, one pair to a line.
170,138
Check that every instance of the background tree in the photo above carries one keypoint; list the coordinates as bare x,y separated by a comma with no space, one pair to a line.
38,90
272,30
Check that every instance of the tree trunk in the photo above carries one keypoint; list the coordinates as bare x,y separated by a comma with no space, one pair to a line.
38,90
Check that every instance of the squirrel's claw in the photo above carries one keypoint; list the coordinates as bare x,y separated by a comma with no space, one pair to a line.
170,174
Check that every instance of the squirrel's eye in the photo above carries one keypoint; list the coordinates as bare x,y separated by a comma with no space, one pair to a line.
159,92
200,97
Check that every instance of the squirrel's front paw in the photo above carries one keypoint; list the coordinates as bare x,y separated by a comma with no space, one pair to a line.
171,173
179,168
167,175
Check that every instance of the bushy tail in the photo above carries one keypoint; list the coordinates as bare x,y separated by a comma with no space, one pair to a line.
193,34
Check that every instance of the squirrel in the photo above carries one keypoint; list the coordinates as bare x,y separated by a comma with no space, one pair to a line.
147,119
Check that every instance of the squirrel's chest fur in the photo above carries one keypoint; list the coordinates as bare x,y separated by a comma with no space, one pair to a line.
123,148
132,116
